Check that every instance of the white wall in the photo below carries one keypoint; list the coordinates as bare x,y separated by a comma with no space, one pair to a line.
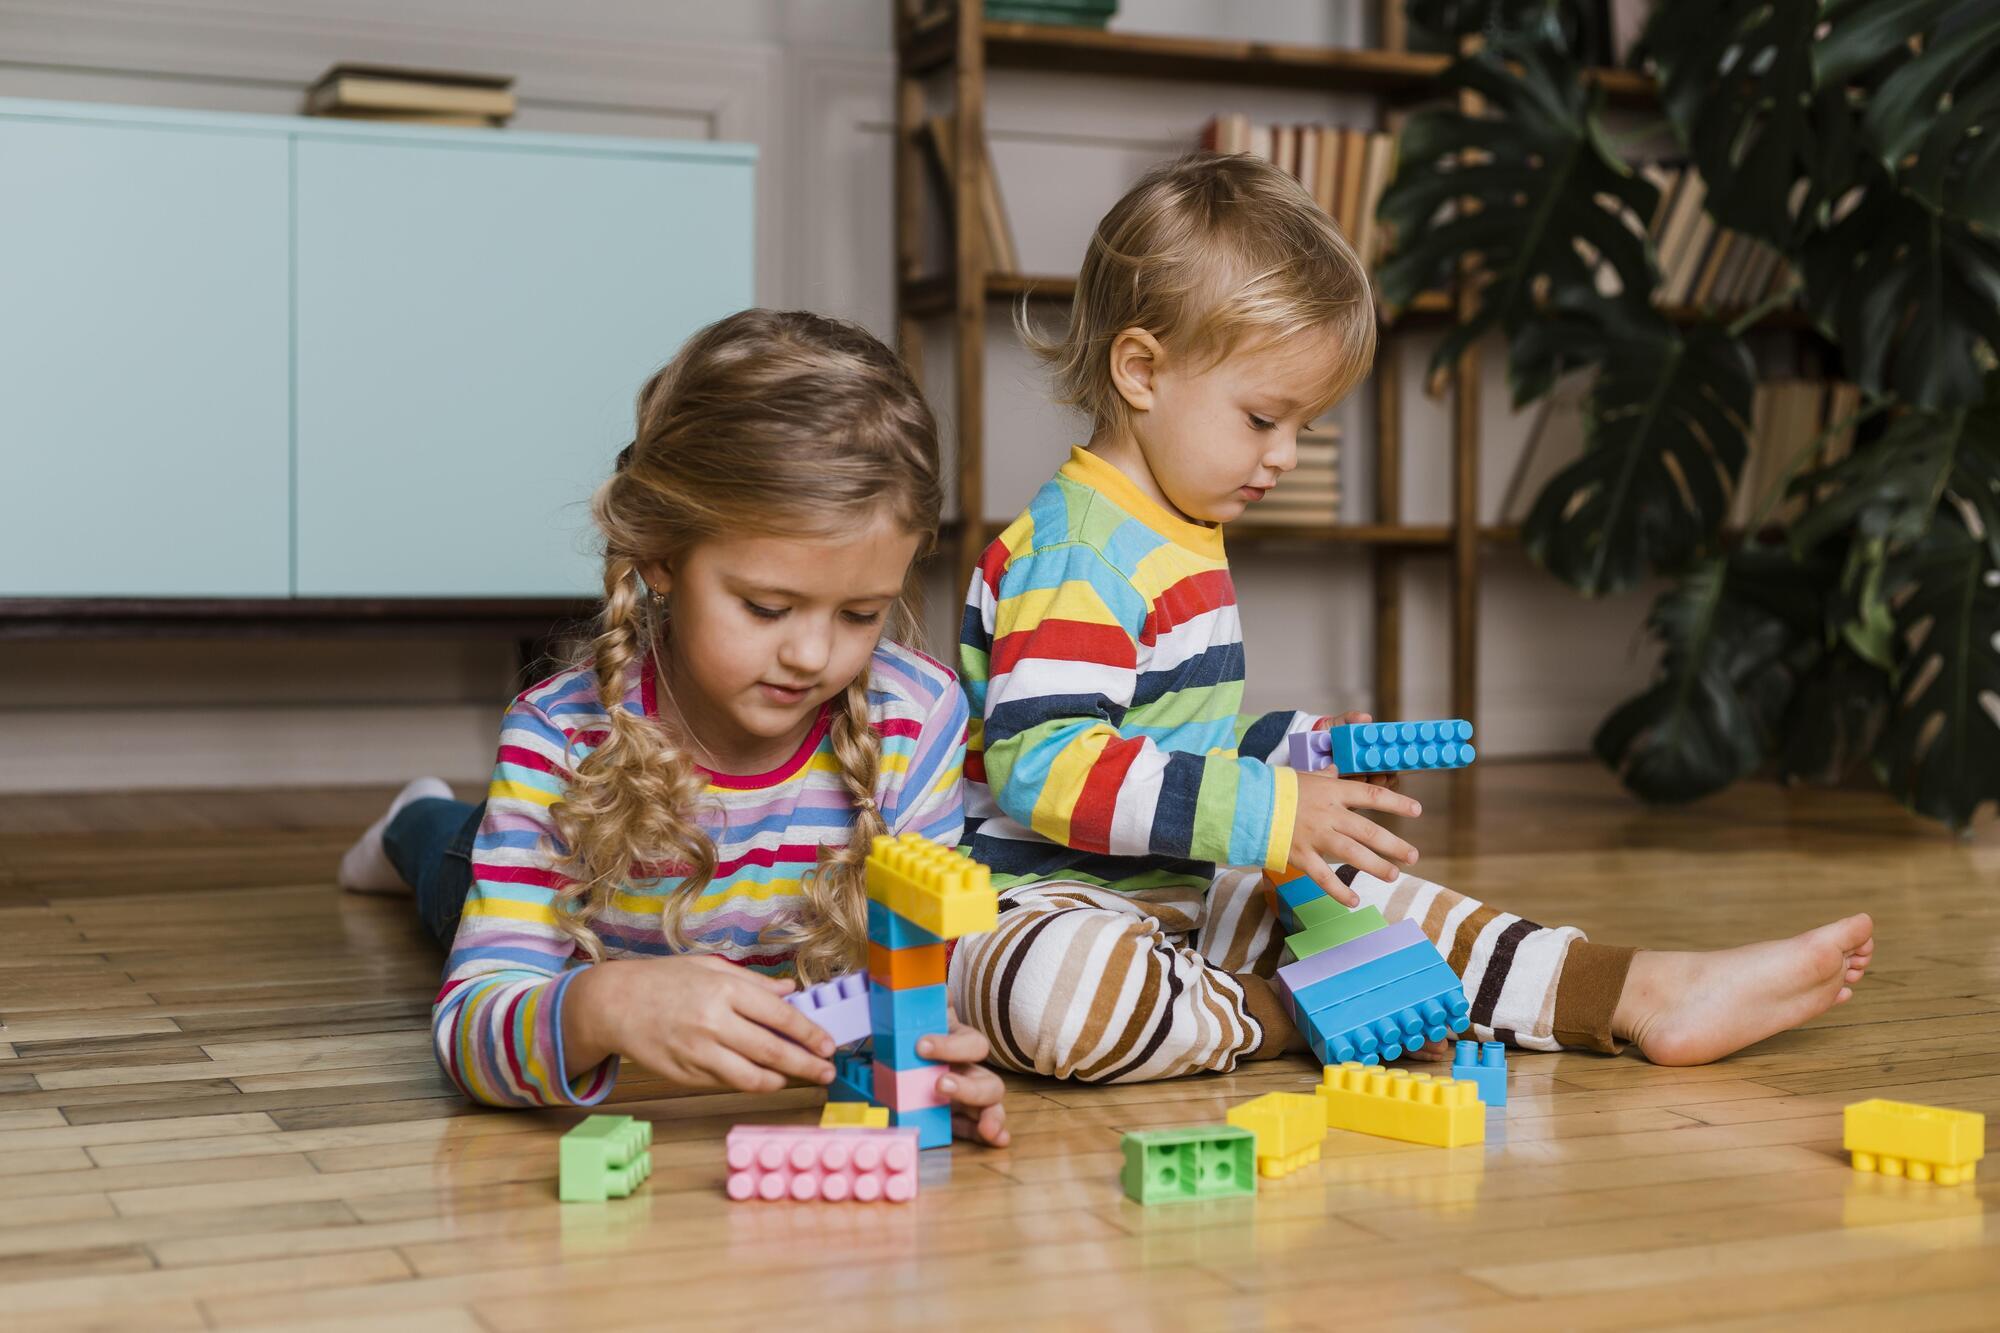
811,84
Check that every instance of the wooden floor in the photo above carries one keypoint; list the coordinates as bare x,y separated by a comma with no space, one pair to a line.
218,1109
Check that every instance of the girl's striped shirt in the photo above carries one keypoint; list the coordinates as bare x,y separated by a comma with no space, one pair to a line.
1103,656
497,1022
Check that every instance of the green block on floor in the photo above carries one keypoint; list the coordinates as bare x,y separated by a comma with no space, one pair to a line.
1335,926
605,1157
1177,1165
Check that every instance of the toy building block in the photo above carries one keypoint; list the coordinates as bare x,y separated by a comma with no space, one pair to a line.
1396,747
932,1124
853,1115
916,1011
893,932
1381,1024
839,1006
1396,1104
853,1077
1930,1143
906,968
1176,1165
939,889
1339,925
1484,1065
1323,994
1298,975
772,1162
1290,1126
910,1089
605,1157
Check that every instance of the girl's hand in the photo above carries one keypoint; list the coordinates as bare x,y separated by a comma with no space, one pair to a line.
1388,780
975,1090
698,1021
1330,829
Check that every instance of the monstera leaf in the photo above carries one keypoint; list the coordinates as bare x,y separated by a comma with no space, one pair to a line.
1727,673
1834,719
1940,752
1931,66
1668,415
1737,81
1530,190
1889,490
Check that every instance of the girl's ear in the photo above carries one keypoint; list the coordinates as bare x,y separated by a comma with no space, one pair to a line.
1135,360
659,578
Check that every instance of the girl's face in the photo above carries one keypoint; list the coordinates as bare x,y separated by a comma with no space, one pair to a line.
764,630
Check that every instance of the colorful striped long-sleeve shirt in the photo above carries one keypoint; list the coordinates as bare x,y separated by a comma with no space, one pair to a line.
497,1022
1103,657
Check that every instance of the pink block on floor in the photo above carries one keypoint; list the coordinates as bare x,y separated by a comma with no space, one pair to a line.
773,1162
908,1089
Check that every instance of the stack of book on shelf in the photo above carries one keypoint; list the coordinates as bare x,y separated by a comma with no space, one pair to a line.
1787,415
421,97
940,149
1344,170
1702,264
1309,495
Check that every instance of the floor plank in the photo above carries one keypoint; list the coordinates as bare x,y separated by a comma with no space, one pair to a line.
219,1109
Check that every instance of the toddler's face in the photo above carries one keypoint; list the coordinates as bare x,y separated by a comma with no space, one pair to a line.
1218,437
764,630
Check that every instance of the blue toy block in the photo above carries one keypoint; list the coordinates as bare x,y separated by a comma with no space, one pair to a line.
839,1007
894,932
898,1050
1381,1024
914,1011
932,1123
853,1077
1484,1064
1294,893
1400,747
1324,994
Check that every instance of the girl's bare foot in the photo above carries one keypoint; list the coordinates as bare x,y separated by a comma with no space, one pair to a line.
1691,1008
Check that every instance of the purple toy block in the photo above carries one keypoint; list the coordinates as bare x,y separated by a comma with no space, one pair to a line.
1311,750
1375,944
839,1006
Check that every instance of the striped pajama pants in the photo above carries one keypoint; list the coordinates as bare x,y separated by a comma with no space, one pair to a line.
1082,982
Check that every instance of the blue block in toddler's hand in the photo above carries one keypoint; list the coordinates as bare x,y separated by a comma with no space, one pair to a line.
1385,747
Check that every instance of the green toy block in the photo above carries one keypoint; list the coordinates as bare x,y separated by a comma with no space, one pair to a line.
1202,1162
1337,928
605,1157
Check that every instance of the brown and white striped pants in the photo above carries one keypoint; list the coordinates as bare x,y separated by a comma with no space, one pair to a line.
1087,983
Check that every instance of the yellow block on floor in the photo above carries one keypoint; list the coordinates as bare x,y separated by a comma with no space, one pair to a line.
1289,1126
1396,1104
853,1115
1910,1139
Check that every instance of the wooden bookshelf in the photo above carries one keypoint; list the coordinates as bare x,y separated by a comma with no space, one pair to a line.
953,42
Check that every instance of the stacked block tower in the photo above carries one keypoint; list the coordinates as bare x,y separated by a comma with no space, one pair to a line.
920,895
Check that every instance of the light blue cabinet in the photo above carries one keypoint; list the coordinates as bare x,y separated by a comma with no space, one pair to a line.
473,331
144,322
248,356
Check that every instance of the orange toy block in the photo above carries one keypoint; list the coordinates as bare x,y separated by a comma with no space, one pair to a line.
906,969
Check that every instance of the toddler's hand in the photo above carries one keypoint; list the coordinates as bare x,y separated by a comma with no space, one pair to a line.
1329,828
703,1022
1389,780
975,1090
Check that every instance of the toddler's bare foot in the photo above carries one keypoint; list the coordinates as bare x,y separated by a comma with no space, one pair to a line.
1691,1008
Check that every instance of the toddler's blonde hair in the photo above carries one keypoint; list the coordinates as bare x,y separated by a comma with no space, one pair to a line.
765,422
1211,254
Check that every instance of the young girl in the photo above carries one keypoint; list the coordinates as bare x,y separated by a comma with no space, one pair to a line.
676,827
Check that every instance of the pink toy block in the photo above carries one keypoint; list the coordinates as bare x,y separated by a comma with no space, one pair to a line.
908,1089
773,1162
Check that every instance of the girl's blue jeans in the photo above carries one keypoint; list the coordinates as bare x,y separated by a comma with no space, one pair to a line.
430,844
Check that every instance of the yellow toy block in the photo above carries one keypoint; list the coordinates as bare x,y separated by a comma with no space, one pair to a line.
1396,1104
853,1115
1290,1126
1921,1142
933,887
